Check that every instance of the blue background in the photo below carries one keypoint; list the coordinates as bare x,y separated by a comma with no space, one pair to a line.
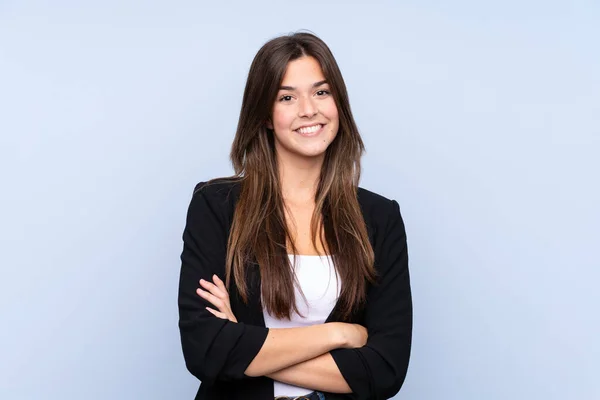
481,120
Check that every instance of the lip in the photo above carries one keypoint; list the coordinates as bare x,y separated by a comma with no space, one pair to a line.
309,125
315,133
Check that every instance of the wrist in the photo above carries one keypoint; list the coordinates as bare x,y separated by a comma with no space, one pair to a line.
337,334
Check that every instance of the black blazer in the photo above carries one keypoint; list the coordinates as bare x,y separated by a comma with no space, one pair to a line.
218,352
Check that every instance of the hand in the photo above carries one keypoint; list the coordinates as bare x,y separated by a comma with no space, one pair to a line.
216,293
353,335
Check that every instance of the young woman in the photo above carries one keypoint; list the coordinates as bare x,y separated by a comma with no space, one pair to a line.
294,280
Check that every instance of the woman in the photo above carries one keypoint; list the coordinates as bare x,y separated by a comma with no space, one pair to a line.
294,281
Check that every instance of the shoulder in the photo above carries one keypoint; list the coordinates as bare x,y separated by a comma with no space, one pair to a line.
369,198
374,205
380,213
218,187
218,191
216,196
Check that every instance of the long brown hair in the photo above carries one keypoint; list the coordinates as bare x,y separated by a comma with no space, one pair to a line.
259,232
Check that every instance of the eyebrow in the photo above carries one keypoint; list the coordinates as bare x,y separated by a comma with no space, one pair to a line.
316,84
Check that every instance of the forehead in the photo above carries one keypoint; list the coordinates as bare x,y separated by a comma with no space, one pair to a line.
303,71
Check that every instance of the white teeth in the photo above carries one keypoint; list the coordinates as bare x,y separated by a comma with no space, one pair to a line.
309,129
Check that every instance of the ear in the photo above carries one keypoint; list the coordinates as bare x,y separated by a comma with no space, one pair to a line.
269,124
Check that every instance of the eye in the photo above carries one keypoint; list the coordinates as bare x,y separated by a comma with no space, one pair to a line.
323,92
285,98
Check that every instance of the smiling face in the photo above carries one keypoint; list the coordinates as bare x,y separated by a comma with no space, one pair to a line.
305,117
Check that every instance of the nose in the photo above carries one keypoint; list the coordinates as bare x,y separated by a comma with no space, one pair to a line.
307,108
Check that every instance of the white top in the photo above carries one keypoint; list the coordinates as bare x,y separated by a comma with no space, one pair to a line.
318,282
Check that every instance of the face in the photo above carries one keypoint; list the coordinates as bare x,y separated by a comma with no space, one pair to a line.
305,117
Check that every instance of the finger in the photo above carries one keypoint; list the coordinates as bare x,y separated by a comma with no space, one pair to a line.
221,306
217,313
219,283
221,315
212,288
214,300
230,316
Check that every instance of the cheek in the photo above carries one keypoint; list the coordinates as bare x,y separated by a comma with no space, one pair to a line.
282,119
332,115
331,112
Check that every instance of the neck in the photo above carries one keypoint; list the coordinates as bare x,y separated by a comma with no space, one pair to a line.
299,178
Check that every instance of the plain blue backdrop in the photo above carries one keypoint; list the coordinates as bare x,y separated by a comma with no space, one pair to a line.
481,120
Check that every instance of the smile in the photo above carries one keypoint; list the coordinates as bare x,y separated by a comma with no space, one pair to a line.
310,130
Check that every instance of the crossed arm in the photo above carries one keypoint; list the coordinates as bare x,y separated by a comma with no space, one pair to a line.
215,347
281,359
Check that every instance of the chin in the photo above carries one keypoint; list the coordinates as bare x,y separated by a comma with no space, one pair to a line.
305,150
313,153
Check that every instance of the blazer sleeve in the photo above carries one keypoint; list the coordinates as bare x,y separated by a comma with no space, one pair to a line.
213,348
377,370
